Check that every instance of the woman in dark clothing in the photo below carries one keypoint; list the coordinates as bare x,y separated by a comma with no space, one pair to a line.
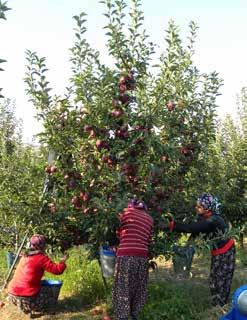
212,226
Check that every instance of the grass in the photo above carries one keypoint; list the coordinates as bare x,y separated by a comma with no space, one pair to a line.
83,292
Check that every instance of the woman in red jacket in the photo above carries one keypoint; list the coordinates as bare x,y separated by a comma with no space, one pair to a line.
25,289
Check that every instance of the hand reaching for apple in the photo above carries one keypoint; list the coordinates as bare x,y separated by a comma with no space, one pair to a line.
65,257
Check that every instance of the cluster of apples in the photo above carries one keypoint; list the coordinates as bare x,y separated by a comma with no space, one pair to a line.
80,201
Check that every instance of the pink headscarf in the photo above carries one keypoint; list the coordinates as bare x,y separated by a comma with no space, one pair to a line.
37,242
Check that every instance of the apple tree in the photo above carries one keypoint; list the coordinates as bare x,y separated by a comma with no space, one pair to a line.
136,128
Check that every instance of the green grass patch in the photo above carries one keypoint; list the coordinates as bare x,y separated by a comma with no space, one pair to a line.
82,280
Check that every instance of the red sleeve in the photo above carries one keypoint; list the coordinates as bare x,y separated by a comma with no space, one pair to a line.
171,225
55,268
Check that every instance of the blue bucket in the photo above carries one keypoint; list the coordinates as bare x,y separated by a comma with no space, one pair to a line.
52,288
51,283
107,261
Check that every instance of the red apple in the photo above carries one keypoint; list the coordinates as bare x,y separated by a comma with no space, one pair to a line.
115,102
122,88
122,80
75,200
92,134
88,128
170,105
164,158
86,210
48,169
84,196
52,207
66,176
100,144
124,98
53,169
116,113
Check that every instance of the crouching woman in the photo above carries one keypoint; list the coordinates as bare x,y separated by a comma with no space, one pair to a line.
25,289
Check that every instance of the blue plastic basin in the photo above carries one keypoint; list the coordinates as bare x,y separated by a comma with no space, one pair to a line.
51,283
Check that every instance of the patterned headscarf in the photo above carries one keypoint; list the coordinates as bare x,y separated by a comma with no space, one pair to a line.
37,242
137,204
209,202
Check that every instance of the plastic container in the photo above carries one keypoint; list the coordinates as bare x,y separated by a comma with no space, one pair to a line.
52,288
107,261
182,259
10,256
239,302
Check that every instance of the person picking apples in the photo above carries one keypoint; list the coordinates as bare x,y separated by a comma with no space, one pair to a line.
25,289
212,227
131,272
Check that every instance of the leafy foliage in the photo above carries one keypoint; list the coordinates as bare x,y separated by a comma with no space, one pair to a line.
21,175
3,9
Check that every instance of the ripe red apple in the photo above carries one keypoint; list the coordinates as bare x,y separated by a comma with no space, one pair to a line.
115,102
84,196
92,134
52,207
124,98
128,81
186,151
122,80
116,113
100,144
53,169
88,128
122,133
122,88
75,200
86,210
106,317
48,169
66,176
129,169
164,158
170,105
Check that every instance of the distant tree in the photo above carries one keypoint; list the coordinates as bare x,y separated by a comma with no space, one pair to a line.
225,172
21,176
3,9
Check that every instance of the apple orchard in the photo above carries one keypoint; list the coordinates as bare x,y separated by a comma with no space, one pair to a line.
138,128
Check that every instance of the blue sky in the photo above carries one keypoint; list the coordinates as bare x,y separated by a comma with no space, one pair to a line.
46,26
